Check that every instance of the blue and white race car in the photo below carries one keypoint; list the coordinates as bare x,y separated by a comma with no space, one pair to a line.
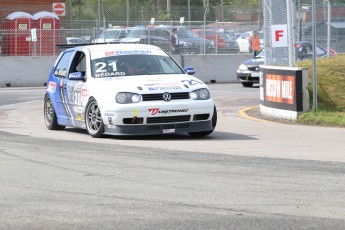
126,89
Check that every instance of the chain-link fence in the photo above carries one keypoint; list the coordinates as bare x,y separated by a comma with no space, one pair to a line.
329,26
89,22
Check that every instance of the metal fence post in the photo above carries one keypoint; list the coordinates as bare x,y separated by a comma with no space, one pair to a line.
314,57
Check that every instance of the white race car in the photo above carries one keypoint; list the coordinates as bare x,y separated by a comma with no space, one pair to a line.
126,89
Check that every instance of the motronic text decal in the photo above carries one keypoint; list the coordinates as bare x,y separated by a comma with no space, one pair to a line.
280,88
155,111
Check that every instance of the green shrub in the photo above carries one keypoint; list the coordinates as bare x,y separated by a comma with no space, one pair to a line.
330,82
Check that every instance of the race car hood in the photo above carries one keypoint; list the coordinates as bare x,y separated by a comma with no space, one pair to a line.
147,84
152,83
130,40
254,61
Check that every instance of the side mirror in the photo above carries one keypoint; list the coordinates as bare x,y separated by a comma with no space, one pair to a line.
189,70
76,76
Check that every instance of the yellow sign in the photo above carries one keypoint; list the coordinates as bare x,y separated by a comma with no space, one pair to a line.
47,26
23,26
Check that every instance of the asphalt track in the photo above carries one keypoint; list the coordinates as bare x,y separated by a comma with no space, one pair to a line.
249,174
236,133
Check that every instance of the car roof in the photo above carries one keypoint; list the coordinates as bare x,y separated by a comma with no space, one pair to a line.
101,50
100,47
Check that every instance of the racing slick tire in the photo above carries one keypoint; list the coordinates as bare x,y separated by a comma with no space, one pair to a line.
93,119
206,133
50,118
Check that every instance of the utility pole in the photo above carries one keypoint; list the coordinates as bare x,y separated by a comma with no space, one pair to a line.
168,7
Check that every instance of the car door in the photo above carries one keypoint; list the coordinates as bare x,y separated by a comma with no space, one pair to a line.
74,90
243,42
58,79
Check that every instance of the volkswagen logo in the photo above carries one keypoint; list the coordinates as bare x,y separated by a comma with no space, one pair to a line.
166,96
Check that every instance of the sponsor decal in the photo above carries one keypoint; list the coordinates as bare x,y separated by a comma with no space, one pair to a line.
79,118
155,111
83,92
161,83
280,88
119,52
154,88
192,82
110,121
163,86
51,87
60,72
61,83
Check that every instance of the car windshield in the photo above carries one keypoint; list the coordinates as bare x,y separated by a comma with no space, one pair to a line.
110,34
226,36
136,33
129,65
261,54
185,33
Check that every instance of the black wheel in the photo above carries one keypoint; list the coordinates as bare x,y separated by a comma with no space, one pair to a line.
206,133
50,118
247,84
93,119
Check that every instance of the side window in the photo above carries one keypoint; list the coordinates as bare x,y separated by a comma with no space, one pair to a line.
78,63
62,67
81,67
320,52
122,34
166,34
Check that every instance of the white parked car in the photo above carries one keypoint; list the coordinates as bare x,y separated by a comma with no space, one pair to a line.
74,41
243,40
111,35
126,89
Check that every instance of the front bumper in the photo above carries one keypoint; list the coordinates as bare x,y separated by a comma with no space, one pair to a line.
153,129
160,118
248,76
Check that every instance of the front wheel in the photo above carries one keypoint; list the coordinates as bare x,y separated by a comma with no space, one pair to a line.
93,119
50,118
206,133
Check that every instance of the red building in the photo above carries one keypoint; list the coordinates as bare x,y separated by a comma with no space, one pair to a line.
9,6
18,18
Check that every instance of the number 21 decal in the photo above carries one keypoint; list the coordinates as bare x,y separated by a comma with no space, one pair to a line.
102,66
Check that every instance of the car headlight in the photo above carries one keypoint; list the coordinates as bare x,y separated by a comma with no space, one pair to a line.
200,94
126,98
242,67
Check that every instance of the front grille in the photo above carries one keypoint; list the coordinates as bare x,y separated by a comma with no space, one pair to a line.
154,120
159,96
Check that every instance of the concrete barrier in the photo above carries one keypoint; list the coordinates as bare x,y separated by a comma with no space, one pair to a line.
34,71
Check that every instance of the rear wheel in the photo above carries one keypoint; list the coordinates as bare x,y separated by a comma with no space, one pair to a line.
93,119
50,118
247,84
206,133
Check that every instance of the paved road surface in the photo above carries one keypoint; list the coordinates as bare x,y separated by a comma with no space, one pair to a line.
249,174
